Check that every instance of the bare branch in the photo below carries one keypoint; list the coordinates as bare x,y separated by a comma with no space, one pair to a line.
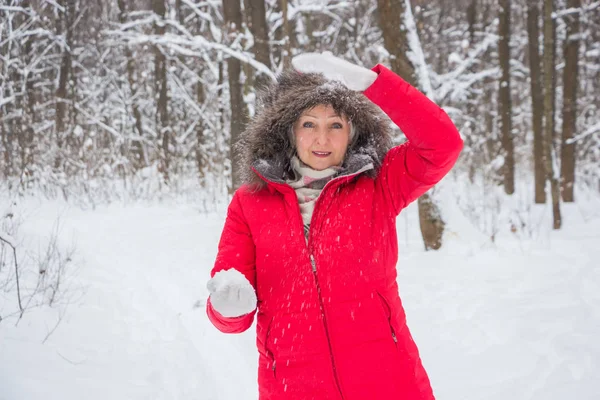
8,241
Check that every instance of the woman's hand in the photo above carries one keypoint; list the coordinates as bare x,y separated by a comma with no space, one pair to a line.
231,295
334,68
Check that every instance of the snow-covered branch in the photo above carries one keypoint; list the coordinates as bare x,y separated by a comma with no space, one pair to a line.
296,9
14,9
10,242
448,80
580,10
416,54
588,132
6,100
196,9
192,46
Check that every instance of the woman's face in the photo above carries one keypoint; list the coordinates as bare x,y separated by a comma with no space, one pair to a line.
322,137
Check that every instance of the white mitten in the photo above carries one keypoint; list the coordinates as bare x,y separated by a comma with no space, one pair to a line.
334,68
231,295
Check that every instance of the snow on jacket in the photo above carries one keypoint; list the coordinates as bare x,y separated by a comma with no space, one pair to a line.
330,322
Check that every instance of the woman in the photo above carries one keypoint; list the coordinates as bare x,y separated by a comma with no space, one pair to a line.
309,244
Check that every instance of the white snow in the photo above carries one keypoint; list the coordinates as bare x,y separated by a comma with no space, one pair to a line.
515,319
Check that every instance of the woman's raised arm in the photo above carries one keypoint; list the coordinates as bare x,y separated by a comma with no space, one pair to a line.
433,145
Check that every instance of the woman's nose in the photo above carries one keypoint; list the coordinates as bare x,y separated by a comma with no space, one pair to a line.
321,136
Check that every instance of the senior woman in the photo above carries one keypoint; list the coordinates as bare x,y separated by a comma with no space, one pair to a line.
309,244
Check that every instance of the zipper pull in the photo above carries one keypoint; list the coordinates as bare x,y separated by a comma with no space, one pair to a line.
313,263
394,337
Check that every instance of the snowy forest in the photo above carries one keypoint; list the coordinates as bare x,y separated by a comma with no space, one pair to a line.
104,97
109,104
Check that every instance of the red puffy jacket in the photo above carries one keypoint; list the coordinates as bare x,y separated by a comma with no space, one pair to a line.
330,323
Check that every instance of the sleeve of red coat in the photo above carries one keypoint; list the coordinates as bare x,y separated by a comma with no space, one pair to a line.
433,145
236,250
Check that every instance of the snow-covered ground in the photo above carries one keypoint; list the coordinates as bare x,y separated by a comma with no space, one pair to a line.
517,319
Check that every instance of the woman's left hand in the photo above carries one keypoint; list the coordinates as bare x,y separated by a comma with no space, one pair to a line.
353,76
231,294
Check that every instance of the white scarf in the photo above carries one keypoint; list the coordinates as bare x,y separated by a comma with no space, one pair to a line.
308,186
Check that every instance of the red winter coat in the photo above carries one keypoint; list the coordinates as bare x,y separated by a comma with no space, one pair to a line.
330,323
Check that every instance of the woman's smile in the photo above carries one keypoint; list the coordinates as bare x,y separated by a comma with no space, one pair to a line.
321,154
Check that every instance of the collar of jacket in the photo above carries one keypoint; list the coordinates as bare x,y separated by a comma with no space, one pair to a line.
275,185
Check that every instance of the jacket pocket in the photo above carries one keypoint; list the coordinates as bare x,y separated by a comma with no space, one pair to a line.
387,312
263,346
268,352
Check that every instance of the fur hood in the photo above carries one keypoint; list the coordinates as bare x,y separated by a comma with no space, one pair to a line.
266,147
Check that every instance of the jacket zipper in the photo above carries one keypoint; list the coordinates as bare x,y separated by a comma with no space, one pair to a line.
313,265
314,270
335,376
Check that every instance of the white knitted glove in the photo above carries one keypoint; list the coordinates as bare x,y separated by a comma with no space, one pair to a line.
231,295
334,68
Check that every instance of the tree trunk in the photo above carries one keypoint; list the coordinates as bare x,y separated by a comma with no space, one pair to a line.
287,35
313,43
549,87
64,25
471,132
10,85
537,102
8,132
257,23
391,13
570,84
472,19
5,161
29,158
260,31
221,157
160,84
504,100
179,13
594,37
200,155
233,20
26,141
6,139
220,85
140,159
431,223
491,140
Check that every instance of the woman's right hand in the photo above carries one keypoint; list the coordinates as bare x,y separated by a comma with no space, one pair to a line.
334,68
231,294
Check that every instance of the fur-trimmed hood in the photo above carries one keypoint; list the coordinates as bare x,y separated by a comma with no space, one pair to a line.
266,147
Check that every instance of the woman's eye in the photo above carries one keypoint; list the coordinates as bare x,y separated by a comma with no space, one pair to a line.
307,125
337,125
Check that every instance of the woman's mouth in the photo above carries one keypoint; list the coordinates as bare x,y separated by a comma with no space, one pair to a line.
321,154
